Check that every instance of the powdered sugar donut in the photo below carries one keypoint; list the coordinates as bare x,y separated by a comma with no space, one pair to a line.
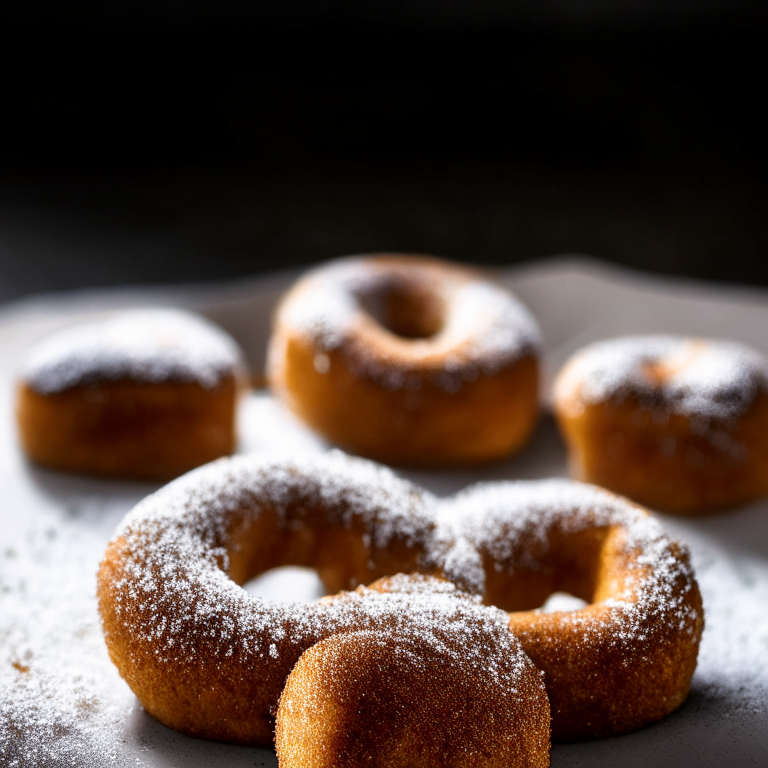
408,360
678,424
625,660
142,394
203,656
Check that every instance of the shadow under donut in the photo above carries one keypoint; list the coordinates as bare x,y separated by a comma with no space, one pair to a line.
171,749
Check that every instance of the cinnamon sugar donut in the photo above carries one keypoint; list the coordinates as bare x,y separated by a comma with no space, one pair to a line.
624,661
408,360
143,394
436,687
207,659
678,424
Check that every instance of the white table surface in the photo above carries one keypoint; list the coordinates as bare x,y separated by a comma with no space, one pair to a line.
54,528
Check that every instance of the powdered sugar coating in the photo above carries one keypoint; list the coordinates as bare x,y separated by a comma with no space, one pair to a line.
511,520
627,658
179,542
709,380
484,330
146,345
184,528
199,506
435,612
457,688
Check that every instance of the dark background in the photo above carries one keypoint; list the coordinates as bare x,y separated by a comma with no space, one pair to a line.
176,142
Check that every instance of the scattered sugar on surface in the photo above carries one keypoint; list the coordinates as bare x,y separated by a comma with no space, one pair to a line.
62,702
732,672
722,660
148,345
486,328
706,379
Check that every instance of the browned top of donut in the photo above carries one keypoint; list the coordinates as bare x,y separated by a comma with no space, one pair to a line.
144,345
398,318
176,546
697,378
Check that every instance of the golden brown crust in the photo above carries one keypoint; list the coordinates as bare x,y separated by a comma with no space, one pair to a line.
688,461
667,464
486,420
399,389
625,660
368,698
603,687
201,655
128,429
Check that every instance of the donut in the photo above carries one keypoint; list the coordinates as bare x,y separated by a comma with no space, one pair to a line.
442,689
141,395
408,360
207,659
680,425
625,660
204,657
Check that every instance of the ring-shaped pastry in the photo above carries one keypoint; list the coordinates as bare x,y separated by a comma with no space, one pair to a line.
187,638
628,657
408,360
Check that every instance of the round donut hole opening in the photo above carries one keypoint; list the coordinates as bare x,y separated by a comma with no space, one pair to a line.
410,310
563,601
573,568
287,584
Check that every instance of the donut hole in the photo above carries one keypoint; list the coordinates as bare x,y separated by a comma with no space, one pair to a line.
562,602
287,584
585,565
300,545
409,309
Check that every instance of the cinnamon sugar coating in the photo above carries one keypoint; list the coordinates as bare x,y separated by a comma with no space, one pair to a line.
408,360
447,693
677,424
202,655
